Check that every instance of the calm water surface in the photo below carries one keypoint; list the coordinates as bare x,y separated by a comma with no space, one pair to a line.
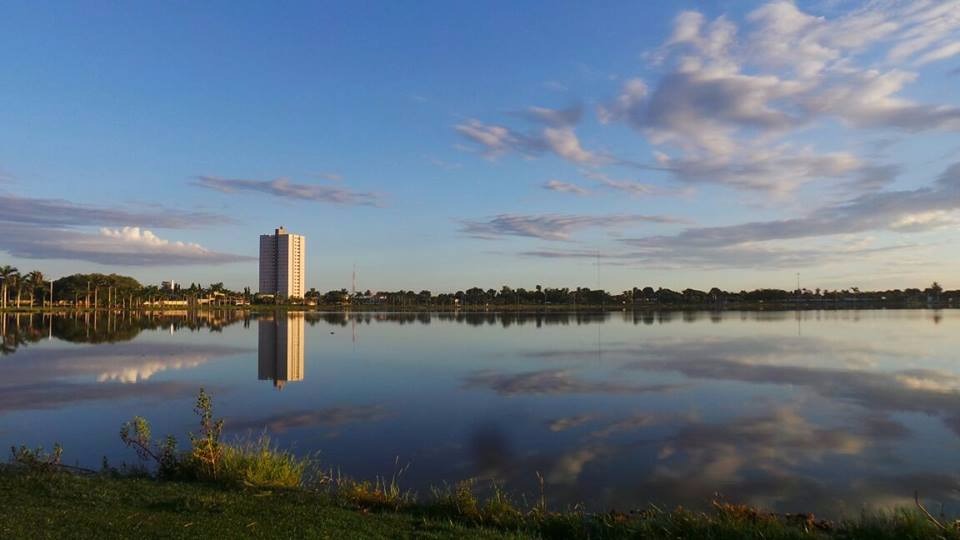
811,411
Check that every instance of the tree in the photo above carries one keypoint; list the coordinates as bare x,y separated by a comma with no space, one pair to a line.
18,283
76,286
7,274
934,291
716,294
34,281
424,297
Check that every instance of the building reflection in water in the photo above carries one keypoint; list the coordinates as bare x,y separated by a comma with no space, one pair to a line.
280,349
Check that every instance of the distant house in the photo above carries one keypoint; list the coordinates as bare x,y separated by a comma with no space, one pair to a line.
166,303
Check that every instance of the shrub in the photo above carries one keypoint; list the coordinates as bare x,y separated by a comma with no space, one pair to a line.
458,501
257,463
379,494
136,434
252,463
207,450
37,460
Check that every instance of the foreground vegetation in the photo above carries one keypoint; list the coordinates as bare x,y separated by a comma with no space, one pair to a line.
71,506
252,489
63,505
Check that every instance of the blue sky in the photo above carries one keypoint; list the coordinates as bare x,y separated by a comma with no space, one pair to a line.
444,145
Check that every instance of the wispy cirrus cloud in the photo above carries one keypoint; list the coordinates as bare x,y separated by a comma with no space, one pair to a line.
330,417
553,381
331,176
759,244
904,211
569,422
552,226
715,258
284,188
564,187
630,187
57,394
61,213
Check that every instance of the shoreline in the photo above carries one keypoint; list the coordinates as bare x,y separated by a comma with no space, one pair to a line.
508,308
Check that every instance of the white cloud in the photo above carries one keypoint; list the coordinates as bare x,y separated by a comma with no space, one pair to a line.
726,106
55,229
141,369
136,237
119,362
554,132
926,220
128,246
495,139
702,111
869,99
564,142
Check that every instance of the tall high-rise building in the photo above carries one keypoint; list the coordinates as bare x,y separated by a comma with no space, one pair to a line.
280,349
283,259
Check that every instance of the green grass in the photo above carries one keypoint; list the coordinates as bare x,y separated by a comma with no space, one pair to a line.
62,505
69,506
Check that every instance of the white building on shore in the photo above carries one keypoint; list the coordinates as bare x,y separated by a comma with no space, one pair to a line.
283,264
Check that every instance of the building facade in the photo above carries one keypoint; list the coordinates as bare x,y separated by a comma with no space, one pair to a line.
283,264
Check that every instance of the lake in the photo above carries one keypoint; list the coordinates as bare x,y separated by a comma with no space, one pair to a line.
812,411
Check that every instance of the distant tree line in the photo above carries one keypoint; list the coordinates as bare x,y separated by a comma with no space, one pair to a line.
104,290
507,296
113,290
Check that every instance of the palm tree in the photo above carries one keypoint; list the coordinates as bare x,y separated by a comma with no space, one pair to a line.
99,281
6,274
17,281
34,281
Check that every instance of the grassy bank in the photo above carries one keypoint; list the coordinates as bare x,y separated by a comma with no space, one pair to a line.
61,505
70,506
